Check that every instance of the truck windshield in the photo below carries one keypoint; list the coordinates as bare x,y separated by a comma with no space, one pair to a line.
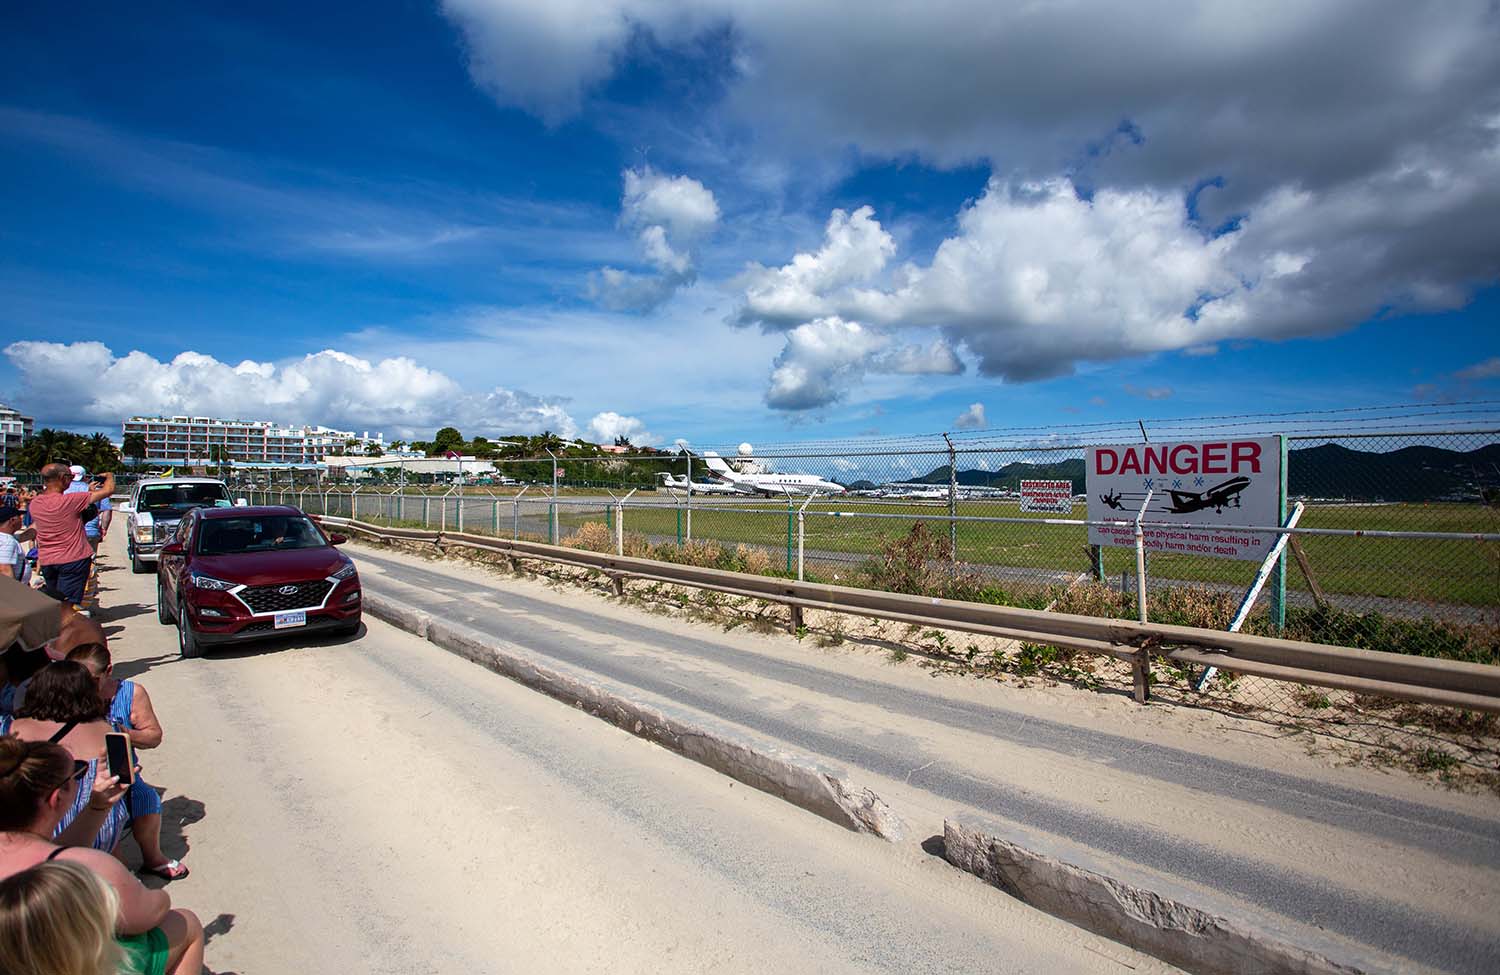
168,498
257,533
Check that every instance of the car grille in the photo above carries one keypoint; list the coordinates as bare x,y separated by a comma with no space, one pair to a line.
270,599
163,531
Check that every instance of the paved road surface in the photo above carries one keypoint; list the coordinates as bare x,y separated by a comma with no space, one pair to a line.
1381,859
378,805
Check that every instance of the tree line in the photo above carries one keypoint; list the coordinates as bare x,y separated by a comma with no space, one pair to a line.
49,446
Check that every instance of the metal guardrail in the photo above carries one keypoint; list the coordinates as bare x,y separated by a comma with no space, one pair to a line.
1425,680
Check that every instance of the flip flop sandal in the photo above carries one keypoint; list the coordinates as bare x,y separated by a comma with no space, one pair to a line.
171,870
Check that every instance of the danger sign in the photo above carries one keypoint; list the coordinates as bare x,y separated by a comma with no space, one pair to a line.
1202,486
1052,496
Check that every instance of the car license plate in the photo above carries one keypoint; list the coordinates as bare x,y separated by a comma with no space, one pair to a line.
286,620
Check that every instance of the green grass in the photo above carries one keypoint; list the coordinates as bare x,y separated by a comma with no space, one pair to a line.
1422,570
1425,570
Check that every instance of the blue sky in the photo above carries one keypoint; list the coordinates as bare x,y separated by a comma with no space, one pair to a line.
727,221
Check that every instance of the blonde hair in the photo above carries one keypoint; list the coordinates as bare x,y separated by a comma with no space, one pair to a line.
57,918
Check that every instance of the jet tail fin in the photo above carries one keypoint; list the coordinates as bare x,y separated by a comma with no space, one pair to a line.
716,463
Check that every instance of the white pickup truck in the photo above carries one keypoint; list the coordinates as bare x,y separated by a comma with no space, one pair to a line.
156,506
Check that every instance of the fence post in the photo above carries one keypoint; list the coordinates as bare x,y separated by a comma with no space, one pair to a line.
801,536
552,522
460,502
789,534
1140,557
679,526
424,511
354,505
495,517
1278,590
952,509
620,527
802,532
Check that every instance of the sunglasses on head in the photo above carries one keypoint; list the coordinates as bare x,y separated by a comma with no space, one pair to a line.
80,769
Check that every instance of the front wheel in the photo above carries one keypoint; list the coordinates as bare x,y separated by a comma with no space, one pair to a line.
162,616
136,565
187,640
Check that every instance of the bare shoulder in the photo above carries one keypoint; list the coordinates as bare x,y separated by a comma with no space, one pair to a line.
103,864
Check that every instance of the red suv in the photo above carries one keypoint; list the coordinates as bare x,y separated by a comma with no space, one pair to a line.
233,574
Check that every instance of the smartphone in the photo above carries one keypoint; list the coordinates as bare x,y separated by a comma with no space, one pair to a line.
121,759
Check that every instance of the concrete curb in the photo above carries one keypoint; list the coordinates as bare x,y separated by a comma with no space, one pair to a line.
1188,928
742,755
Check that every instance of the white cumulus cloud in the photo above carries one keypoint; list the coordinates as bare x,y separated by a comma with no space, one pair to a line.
670,216
971,419
823,359
606,426
1039,277
396,395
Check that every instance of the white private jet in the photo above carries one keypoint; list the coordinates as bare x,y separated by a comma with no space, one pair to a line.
771,485
679,482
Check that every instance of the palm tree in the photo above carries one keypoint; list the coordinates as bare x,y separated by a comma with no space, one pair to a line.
48,446
101,454
135,446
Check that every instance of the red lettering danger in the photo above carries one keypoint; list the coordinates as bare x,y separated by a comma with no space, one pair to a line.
1218,457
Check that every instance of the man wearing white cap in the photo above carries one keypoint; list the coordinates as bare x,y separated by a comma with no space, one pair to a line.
95,528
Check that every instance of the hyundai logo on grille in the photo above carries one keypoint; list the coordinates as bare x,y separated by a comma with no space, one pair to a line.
287,590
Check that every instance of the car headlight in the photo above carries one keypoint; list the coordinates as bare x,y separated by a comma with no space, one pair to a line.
209,582
144,533
343,573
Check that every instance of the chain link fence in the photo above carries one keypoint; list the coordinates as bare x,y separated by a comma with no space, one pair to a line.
1396,548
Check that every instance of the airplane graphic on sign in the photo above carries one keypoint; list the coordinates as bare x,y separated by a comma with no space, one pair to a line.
1217,498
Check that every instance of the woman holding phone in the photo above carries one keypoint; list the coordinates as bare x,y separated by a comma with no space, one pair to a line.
62,705
39,781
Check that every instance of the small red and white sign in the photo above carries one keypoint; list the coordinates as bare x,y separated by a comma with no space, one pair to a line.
1213,488
1049,496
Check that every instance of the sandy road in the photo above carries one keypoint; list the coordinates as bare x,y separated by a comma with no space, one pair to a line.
377,805
1389,863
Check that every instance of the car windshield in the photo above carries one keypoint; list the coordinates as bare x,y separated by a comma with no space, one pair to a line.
167,498
262,533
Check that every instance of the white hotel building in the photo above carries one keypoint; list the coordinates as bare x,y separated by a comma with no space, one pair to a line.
187,439
15,430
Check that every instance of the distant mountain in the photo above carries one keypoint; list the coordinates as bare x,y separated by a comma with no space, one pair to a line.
1417,473
1410,474
1011,475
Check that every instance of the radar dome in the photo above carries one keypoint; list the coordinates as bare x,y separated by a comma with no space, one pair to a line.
746,450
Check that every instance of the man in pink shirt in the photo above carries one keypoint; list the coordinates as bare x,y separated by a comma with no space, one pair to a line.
63,550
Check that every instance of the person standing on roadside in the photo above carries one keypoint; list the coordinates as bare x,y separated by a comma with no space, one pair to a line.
63,551
12,552
95,528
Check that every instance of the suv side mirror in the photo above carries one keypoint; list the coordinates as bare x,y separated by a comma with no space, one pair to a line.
334,538
172,548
